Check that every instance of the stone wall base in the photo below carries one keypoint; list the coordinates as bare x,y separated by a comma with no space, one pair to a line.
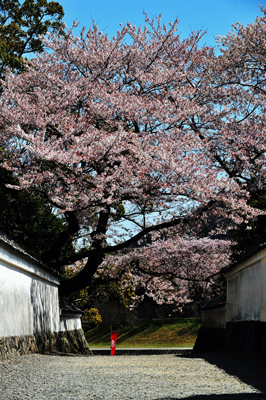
209,340
63,342
242,336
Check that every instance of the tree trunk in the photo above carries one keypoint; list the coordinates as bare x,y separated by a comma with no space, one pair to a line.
81,280
84,277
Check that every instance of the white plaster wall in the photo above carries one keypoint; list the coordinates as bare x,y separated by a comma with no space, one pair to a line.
263,291
15,304
28,297
69,323
45,307
20,262
214,318
244,294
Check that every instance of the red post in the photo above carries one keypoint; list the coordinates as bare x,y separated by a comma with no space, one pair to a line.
113,342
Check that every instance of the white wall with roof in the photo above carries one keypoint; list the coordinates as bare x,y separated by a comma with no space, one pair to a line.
246,289
29,301
214,317
70,322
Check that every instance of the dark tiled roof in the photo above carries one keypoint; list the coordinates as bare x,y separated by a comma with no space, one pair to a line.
66,306
215,302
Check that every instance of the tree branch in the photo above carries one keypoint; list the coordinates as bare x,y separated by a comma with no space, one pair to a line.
111,249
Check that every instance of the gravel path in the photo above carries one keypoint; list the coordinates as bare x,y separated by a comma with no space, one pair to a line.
157,377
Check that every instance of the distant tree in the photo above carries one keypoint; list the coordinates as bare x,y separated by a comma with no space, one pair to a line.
172,271
102,289
29,220
250,233
20,27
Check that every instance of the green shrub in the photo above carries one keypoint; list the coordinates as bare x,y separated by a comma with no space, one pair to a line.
91,318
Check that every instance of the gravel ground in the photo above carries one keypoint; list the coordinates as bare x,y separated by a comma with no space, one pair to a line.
157,377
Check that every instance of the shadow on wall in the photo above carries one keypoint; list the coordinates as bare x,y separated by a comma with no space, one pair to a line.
249,368
44,300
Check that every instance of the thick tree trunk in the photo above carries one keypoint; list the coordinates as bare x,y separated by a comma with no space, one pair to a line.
81,280
84,277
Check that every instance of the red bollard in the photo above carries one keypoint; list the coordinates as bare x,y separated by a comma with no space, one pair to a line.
113,342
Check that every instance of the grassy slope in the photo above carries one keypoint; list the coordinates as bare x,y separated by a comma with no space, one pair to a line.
176,333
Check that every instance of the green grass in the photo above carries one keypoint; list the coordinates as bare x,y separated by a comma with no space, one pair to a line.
173,333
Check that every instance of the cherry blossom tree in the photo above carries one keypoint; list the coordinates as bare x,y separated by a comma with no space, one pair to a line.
129,137
241,69
169,271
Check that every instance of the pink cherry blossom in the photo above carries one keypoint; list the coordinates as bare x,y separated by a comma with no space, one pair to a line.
130,137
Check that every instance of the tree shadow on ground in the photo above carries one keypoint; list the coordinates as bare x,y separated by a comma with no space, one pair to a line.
240,396
249,368
128,333
102,334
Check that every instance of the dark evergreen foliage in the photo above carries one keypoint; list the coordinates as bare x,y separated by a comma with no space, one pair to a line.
247,235
26,218
20,26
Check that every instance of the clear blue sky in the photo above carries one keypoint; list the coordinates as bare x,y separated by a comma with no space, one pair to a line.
215,16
